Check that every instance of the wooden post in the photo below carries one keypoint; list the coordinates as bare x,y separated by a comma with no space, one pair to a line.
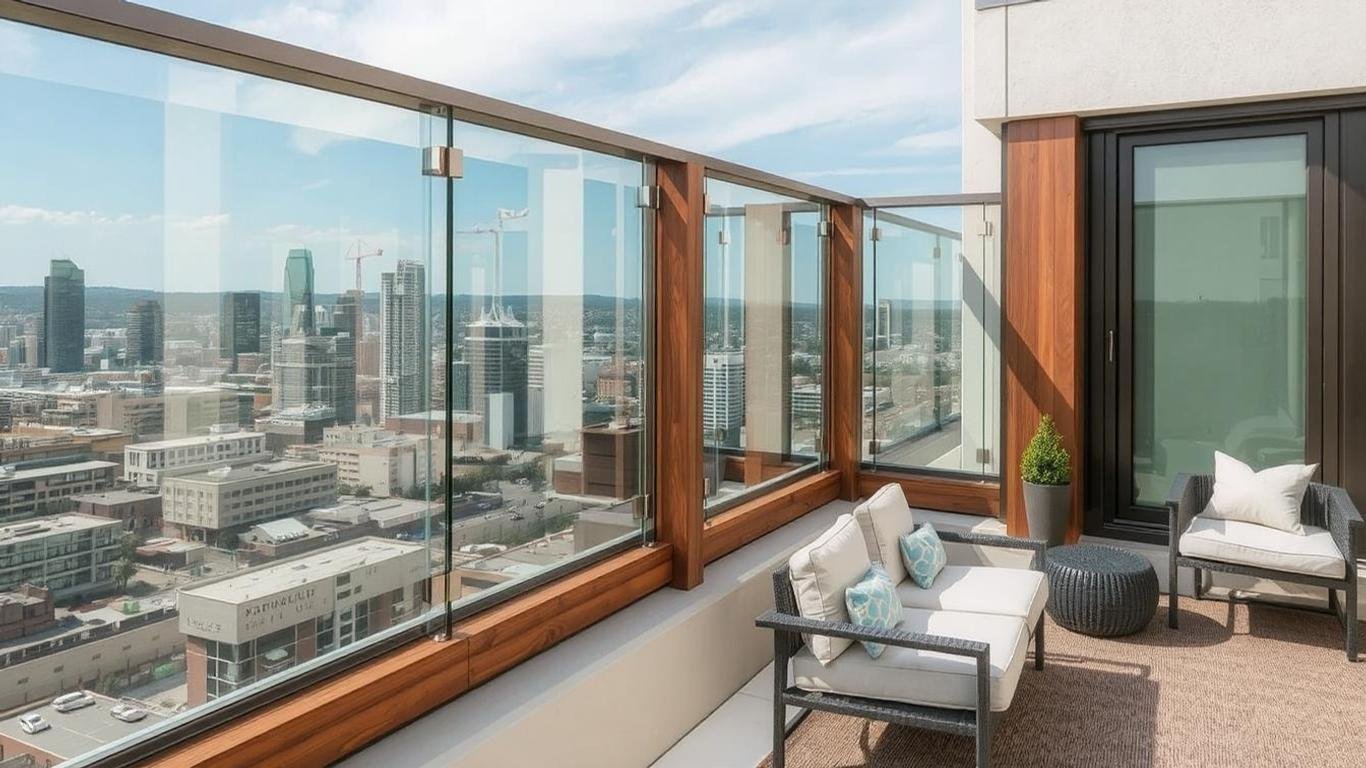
1043,281
678,368
845,337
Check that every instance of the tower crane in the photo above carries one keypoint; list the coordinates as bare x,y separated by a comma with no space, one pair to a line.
361,255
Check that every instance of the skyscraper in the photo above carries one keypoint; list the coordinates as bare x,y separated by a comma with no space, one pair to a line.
296,300
311,371
239,323
403,347
723,397
497,352
61,342
348,315
145,329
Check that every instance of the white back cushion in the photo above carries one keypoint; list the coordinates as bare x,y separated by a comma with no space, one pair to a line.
884,518
821,572
1271,497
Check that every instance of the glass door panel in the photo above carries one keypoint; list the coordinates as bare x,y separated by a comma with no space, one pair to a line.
1219,257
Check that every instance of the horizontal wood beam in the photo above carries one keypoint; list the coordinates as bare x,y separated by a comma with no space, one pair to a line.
945,494
335,718
746,522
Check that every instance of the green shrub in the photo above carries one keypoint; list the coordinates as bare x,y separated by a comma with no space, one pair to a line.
1045,460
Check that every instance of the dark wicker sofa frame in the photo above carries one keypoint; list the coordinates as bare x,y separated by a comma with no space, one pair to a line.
788,627
1324,506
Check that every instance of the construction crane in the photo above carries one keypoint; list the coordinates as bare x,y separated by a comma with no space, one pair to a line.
361,255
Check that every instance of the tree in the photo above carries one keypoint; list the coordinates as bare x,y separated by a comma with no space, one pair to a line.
361,492
126,567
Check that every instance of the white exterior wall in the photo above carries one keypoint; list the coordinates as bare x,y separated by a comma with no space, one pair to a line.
1092,57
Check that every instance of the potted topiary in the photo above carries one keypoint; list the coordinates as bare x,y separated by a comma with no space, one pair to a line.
1047,474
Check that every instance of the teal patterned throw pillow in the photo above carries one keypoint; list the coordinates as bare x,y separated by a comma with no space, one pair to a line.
924,555
873,603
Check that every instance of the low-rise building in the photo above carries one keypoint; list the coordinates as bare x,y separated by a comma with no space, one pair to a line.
383,462
26,611
72,555
200,504
295,426
139,511
44,490
248,626
145,464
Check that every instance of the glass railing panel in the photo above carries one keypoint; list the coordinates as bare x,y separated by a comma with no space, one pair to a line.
549,359
931,340
763,340
217,358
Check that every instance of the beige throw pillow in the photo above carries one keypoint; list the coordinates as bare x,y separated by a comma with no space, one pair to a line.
884,518
821,572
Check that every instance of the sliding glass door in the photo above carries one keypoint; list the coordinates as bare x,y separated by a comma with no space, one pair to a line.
1210,281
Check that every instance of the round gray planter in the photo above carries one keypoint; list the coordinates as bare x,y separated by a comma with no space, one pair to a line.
1048,507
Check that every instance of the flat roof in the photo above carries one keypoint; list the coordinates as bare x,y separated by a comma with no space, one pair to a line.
229,474
79,731
56,469
178,442
114,497
41,527
304,569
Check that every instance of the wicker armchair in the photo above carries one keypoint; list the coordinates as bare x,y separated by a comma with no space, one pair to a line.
789,627
1324,506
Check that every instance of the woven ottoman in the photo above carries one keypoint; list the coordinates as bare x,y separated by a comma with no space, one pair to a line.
1099,590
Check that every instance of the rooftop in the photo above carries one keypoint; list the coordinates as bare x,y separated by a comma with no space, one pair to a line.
120,496
304,569
10,474
76,732
236,473
182,442
18,533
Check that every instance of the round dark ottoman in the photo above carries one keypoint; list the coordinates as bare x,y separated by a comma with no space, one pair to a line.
1100,590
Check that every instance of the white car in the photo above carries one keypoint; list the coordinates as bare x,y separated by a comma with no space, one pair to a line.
68,702
33,723
127,713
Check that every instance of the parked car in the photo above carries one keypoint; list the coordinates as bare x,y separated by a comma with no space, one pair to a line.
540,505
33,723
127,713
68,702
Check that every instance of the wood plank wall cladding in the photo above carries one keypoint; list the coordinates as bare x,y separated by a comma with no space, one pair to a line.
328,721
678,368
846,345
1043,300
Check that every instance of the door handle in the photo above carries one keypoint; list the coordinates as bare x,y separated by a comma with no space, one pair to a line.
1110,345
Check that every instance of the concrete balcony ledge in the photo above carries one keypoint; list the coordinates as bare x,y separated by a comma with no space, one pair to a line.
594,700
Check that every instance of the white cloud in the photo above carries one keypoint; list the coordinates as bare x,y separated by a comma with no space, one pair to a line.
28,215
929,141
17,51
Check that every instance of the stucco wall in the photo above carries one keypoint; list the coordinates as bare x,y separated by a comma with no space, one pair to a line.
1090,57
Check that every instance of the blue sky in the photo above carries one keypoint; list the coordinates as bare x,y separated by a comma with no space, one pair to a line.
858,96
155,173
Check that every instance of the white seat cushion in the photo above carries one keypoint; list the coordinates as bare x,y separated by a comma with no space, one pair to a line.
884,518
981,589
821,572
1232,541
927,678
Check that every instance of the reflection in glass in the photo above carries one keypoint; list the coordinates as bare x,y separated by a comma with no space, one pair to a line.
210,473
1219,307
548,373
931,339
764,339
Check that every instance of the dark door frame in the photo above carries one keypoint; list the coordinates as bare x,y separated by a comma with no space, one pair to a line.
1109,302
